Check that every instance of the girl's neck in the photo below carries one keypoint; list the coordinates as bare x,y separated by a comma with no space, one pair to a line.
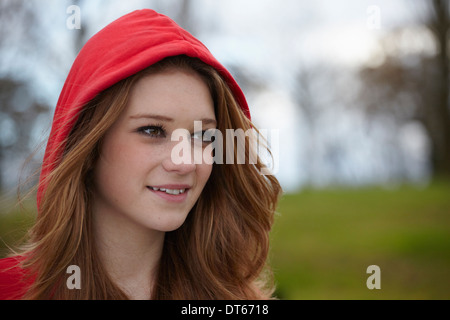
129,253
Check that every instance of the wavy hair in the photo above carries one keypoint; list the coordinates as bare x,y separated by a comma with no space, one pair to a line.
220,251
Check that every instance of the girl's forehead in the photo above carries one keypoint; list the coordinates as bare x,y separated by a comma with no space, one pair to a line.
173,94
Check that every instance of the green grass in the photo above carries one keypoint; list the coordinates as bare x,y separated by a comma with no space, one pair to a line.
14,224
323,242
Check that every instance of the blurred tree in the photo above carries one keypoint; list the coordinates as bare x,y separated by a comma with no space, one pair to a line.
18,110
18,114
439,127
318,89
414,84
23,31
311,79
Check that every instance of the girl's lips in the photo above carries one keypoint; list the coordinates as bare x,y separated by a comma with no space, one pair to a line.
171,193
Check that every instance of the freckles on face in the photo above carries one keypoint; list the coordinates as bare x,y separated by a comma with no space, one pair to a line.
120,164
135,178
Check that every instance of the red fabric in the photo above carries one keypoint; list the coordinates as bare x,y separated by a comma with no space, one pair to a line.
124,47
13,280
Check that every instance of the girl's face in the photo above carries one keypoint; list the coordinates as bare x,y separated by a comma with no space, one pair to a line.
135,177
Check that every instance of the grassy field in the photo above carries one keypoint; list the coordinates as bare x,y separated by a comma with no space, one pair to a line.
14,223
323,242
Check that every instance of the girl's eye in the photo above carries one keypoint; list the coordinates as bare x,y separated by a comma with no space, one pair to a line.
153,131
209,135
198,135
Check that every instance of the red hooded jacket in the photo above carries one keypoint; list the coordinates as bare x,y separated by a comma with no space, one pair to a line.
124,47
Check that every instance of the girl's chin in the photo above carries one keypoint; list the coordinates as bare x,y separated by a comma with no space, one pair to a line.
166,223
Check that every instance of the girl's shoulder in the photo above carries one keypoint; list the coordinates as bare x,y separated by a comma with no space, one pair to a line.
13,280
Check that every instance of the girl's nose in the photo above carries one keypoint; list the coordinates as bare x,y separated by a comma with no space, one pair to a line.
180,156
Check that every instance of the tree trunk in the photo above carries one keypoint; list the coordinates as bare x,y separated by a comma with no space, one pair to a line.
440,27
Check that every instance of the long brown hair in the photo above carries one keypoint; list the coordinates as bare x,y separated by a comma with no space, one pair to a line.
220,252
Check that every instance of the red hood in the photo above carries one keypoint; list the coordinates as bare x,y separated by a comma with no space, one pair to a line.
124,47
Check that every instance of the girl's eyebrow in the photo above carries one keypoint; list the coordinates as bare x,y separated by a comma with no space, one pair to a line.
205,121
151,116
208,121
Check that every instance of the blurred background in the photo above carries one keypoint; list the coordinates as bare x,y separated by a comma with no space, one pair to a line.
357,90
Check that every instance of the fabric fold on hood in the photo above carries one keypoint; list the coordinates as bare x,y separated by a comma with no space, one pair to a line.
124,47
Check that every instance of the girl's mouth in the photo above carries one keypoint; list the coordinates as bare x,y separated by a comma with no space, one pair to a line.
171,193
